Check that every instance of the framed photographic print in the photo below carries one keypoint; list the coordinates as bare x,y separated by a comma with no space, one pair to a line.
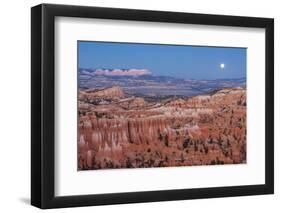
139,106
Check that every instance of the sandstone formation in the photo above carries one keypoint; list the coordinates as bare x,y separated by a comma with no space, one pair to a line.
121,131
113,92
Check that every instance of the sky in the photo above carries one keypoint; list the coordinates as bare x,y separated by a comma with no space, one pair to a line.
181,61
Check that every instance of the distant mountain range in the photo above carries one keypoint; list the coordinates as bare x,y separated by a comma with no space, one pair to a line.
115,72
142,82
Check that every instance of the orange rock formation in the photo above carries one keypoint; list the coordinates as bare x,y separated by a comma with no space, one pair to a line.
116,131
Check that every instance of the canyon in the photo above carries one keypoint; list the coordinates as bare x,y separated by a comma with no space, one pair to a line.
121,129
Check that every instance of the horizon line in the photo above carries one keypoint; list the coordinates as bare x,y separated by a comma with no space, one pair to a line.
151,74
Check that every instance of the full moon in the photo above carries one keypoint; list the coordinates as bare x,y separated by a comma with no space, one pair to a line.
222,66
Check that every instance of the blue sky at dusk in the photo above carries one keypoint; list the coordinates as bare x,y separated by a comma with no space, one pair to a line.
188,62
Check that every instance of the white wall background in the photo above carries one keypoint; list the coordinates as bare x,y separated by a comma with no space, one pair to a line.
15,105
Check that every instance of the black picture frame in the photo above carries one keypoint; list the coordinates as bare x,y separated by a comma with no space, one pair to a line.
43,102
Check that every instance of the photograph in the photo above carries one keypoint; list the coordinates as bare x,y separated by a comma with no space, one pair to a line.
146,105
140,105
